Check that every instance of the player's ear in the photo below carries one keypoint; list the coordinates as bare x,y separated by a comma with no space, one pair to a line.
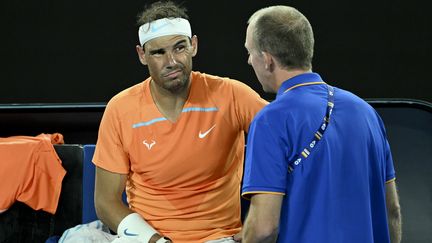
141,54
194,41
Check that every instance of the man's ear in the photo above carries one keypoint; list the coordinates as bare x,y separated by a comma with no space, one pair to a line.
269,61
194,45
141,54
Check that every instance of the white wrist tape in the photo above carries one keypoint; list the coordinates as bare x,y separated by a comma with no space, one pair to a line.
162,240
134,226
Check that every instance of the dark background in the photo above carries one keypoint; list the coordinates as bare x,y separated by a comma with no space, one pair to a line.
84,51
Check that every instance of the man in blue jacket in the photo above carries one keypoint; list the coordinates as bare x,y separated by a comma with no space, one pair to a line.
318,163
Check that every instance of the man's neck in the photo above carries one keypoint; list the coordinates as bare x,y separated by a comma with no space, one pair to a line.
283,75
170,104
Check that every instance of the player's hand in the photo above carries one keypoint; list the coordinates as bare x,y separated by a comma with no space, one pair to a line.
238,237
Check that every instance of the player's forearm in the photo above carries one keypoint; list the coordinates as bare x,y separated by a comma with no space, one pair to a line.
111,213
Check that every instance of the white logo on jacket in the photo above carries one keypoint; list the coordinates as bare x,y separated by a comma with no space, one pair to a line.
202,135
149,146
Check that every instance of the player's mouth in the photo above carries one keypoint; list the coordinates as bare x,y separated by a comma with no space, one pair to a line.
173,74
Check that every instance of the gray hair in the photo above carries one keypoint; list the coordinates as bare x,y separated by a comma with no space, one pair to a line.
286,34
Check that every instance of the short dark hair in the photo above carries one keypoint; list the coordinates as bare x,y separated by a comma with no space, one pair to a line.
160,10
285,33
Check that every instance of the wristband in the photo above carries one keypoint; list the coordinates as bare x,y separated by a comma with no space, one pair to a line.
133,226
159,239
163,240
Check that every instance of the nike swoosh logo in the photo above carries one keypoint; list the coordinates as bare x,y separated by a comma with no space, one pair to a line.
129,234
202,135
156,28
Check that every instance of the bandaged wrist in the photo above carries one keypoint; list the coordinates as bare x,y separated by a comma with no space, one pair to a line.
133,226
163,240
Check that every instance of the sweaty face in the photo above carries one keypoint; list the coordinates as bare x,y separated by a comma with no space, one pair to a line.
169,60
256,60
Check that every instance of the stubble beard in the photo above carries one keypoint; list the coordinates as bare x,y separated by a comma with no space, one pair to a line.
177,85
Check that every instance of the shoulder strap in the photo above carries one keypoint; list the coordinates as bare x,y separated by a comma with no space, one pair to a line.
318,134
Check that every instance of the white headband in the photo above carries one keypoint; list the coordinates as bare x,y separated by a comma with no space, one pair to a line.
162,27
